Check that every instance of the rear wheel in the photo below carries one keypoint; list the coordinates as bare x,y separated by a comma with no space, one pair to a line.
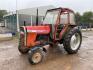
72,41
36,56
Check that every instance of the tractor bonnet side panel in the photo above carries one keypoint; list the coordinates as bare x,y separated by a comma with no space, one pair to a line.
33,31
38,29
31,37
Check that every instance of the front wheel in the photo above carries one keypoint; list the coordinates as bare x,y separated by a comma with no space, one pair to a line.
36,56
72,41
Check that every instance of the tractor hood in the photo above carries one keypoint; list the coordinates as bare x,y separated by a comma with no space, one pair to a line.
38,29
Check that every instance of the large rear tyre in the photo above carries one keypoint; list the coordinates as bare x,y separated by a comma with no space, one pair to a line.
72,41
36,56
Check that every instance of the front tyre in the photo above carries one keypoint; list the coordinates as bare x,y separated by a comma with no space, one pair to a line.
36,56
72,41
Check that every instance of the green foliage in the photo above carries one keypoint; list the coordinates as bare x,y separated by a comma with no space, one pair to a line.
78,18
86,18
2,13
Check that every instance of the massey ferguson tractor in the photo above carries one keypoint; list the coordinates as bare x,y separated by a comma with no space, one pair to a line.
58,27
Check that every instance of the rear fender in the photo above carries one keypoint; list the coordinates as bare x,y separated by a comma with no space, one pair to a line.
65,30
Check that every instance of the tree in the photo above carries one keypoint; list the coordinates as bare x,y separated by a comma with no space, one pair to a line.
78,18
2,13
87,18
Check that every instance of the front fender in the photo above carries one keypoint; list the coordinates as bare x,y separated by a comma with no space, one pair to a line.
35,48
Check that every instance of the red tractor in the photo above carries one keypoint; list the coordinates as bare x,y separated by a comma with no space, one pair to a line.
58,27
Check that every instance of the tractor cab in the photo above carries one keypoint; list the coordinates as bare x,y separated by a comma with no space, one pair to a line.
58,19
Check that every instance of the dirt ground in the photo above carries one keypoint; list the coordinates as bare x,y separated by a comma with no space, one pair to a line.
57,59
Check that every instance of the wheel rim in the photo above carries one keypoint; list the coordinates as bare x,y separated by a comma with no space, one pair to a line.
36,57
75,41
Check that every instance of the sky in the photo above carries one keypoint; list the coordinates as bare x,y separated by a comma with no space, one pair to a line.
77,5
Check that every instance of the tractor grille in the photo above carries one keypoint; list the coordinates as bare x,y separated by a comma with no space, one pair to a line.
22,37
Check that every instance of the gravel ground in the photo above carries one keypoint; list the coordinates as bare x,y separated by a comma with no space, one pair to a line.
57,59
